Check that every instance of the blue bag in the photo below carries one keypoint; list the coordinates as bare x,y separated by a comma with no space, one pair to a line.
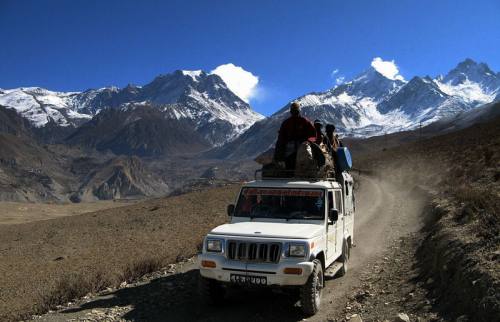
344,160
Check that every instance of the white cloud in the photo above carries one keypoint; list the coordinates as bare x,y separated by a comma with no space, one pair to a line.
387,68
243,83
339,79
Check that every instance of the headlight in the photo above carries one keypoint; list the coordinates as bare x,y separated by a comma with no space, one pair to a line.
297,250
214,245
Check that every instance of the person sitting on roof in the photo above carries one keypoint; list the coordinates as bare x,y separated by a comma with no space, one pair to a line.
293,132
320,137
333,137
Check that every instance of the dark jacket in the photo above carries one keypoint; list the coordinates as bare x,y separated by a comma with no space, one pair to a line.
293,131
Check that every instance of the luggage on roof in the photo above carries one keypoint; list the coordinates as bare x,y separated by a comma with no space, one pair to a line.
312,161
344,160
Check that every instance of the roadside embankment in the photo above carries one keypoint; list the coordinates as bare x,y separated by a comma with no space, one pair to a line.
459,257
460,262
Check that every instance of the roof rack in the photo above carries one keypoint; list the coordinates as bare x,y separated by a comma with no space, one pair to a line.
292,177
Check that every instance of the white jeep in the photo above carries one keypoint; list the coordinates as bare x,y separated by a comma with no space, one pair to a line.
282,233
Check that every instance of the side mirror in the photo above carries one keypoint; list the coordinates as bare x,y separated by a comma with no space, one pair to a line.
230,210
333,215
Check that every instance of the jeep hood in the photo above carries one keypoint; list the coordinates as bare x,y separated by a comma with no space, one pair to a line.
270,230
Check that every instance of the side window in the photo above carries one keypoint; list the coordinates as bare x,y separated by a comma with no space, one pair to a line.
338,201
330,200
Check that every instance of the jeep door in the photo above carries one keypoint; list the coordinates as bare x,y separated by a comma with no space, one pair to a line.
339,227
330,252
335,229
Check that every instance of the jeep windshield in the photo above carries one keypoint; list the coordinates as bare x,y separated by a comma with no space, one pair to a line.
283,203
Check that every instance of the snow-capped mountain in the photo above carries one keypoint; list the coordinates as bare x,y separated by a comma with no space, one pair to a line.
352,106
204,99
219,114
40,106
374,104
470,72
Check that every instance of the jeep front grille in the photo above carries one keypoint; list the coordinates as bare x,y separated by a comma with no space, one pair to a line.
254,252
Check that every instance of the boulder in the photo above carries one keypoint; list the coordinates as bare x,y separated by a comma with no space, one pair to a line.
355,318
402,317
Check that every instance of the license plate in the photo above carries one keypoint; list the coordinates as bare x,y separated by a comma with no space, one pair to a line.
248,279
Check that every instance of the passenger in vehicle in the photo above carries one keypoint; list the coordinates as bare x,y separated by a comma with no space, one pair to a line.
333,137
247,204
320,137
293,132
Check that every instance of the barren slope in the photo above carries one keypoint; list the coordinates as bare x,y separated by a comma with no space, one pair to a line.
36,256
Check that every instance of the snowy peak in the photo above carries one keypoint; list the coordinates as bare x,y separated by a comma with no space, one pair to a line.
471,82
470,71
370,83
417,96
192,73
203,98
372,74
473,70
170,88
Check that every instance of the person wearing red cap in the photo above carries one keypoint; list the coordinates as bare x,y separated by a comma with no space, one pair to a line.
293,131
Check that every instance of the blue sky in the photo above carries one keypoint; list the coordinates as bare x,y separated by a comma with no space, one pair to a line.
291,46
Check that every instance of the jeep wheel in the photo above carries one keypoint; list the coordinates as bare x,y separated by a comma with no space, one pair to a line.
310,293
344,259
211,291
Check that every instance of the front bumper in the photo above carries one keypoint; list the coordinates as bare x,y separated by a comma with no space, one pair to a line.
274,272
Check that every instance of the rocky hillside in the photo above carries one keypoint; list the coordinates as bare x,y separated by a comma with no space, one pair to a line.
120,178
140,130
30,171
11,123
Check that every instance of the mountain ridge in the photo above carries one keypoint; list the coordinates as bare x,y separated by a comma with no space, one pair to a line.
394,105
201,98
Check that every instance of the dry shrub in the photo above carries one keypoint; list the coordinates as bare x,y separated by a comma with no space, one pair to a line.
140,268
481,205
476,197
72,286
76,285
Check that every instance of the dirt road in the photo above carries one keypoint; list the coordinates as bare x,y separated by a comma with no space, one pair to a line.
384,214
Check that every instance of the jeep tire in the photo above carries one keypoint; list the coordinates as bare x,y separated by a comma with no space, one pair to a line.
344,259
211,291
310,293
